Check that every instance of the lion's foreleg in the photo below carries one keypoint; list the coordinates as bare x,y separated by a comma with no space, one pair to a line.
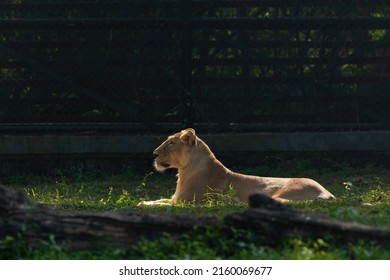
160,202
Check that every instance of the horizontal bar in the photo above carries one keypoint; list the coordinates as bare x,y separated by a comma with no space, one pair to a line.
384,80
195,4
96,127
226,80
163,62
202,23
242,142
201,44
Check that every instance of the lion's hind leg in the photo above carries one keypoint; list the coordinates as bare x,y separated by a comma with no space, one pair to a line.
301,189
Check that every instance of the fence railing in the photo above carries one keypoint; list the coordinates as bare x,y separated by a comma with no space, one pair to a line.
222,65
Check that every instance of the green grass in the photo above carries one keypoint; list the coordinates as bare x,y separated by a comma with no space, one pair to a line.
363,196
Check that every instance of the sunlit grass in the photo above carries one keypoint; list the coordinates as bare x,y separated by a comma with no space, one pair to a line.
363,196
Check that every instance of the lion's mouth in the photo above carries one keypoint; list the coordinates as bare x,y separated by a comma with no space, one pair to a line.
161,164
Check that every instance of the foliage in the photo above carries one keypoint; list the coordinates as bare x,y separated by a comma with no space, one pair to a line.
202,245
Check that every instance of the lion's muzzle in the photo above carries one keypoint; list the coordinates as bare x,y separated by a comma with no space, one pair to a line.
161,166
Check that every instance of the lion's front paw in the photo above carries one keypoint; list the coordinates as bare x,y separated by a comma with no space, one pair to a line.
160,202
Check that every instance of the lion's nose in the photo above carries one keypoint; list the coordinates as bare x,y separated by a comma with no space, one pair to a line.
155,154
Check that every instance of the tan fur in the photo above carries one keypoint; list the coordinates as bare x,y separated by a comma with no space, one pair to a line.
199,171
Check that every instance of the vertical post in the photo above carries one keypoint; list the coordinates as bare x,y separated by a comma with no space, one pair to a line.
186,64
243,35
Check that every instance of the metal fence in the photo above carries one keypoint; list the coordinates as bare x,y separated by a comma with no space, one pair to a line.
218,65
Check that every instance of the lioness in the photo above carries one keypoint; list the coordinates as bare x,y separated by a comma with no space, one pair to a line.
199,171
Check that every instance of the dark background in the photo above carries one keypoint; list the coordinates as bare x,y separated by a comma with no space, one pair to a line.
220,66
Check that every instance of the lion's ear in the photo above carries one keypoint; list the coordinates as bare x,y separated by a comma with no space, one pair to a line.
188,136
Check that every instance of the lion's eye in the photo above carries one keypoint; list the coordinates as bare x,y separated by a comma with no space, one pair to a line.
170,144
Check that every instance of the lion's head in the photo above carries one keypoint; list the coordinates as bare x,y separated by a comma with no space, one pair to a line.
175,151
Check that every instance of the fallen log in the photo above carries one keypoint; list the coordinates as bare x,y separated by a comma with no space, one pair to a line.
267,219
37,224
84,230
277,221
